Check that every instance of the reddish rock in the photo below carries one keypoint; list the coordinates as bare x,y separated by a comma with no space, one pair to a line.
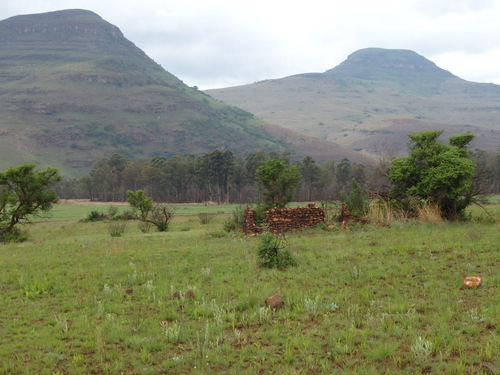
472,281
189,294
176,295
275,302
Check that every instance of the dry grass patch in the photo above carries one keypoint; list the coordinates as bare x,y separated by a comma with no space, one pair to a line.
429,213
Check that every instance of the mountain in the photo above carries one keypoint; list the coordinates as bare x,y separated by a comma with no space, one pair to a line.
373,100
73,89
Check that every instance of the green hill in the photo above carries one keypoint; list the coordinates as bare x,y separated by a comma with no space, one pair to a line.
373,100
73,89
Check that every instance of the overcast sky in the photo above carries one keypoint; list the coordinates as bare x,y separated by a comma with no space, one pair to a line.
221,43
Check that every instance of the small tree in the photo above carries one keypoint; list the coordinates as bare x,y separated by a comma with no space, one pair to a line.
277,182
358,200
25,193
435,172
148,213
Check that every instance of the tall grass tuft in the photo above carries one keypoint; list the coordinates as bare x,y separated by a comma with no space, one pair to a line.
381,213
429,213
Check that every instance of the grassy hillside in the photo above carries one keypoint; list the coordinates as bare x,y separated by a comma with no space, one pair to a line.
74,89
374,99
364,300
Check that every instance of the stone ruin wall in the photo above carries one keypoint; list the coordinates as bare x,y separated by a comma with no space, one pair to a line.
281,220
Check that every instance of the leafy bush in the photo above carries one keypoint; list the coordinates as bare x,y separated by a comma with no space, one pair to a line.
436,173
271,253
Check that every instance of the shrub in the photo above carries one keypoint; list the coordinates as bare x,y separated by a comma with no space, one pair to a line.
435,172
236,221
116,227
94,216
149,213
15,235
206,218
358,200
271,253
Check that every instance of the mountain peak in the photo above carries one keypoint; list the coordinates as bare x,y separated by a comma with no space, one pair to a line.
61,26
381,64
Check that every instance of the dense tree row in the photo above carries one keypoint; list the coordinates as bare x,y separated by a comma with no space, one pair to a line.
220,176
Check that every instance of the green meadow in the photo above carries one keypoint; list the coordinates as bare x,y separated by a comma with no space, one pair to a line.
362,300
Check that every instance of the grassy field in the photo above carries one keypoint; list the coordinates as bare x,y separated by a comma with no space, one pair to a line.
365,300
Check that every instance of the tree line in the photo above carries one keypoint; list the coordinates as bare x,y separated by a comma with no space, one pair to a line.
222,177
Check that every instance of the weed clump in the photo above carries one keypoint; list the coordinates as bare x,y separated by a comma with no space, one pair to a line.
206,218
235,222
116,227
272,253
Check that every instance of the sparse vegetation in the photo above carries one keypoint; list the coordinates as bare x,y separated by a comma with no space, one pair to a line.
377,299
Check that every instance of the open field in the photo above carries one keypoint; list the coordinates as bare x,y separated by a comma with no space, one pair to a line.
366,300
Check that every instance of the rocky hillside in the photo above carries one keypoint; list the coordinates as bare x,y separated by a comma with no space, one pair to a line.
73,89
373,100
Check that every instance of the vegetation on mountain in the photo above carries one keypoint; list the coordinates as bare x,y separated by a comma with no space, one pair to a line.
75,89
436,173
373,100
25,193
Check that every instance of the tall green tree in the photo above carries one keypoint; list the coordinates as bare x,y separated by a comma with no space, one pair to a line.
435,172
311,176
277,182
25,193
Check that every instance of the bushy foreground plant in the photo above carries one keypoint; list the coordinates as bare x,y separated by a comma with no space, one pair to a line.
435,173
272,253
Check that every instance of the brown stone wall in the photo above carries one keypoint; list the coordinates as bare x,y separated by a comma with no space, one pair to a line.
249,226
281,220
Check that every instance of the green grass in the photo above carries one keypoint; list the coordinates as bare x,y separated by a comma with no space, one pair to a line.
64,212
365,300
494,199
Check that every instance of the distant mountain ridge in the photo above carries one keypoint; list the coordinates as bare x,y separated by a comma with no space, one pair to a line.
73,89
374,99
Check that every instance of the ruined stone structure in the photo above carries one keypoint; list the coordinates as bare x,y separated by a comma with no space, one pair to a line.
281,220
